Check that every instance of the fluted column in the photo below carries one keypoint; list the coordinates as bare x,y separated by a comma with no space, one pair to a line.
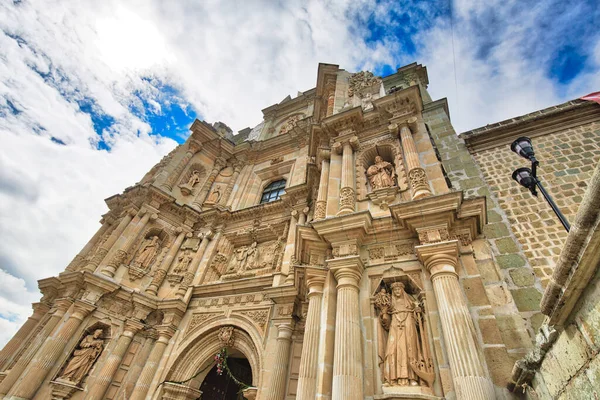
347,353
39,310
237,168
79,258
288,251
101,253
46,357
110,366
161,272
471,379
199,200
145,379
347,192
124,243
416,174
193,148
276,388
60,308
188,278
321,204
307,378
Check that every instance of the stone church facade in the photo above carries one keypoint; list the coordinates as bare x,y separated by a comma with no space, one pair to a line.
350,246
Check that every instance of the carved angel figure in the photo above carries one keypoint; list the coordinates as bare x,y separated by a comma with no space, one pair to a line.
83,357
194,179
183,262
381,174
404,355
147,253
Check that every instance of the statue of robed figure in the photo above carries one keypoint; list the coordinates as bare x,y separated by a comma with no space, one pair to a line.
83,358
404,355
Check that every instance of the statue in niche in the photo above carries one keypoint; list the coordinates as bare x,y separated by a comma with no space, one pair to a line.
83,358
183,262
194,179
215,195
404,356
147,253
381,174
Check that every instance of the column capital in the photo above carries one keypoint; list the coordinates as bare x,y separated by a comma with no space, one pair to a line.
39,309
439,257
284,331
347,270
194,146
82,309
132,327
315,280
410,124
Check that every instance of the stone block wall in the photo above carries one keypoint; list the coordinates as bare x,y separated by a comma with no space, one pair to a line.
571,368
503,291
567,161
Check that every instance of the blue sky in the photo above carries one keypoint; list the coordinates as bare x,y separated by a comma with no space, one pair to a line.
92,94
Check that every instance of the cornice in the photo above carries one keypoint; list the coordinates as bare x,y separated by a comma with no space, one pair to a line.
353,226
240,286
543,122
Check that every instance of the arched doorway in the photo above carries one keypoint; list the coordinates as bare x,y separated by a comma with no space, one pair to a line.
223,386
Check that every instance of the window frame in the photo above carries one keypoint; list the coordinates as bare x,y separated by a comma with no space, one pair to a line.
273,191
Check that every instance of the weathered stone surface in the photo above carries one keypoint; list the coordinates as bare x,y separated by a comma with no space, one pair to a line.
510,261
499,364
475,291
506,245
527,299
522,276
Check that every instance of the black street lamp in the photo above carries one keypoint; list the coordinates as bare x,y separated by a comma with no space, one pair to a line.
528,177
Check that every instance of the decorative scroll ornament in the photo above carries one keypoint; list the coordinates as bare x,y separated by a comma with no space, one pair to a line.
226,336
418,179
320,210
381,174
404,351
83,358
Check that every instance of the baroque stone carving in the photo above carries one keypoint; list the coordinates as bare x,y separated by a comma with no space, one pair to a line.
199,319
259,317
290,124
403,353
361,80
188,187
215,195
320,210
146,255
347,197
226,336
381,174
434,235
418,178
83,358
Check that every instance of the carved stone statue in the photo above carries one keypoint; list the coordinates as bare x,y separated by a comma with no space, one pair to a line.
183,262
194,179
83,358
404,357
381,174
147,253
243,259
215,195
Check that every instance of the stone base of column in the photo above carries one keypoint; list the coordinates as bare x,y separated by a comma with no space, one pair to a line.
347,201
473,388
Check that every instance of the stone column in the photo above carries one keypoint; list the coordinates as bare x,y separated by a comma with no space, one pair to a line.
124,243
46,357
302,216
307,378
106,246
193,148
193,268
276,388
110,366
162,270
79,258
347,352
330,87
60,308
145,379
471,379
199,200
416,174
321,204
237,168
288,251
39,310
347,192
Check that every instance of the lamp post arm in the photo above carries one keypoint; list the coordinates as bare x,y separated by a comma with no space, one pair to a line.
548,198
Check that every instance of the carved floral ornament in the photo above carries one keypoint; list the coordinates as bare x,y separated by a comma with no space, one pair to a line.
361,80
226,336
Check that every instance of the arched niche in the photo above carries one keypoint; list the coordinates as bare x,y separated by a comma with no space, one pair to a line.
196,353
390,151
137,270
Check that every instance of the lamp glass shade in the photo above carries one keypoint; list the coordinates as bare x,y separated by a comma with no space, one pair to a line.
523,147
524,177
